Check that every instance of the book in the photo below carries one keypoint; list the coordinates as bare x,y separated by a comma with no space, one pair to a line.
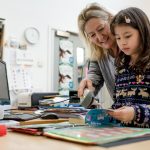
77,119
99,128
27,130
96,136
37,129
42,121
9,123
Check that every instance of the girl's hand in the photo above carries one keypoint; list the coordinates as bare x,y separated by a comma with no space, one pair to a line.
124,114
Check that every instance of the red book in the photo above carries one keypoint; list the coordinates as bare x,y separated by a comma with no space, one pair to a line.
28,131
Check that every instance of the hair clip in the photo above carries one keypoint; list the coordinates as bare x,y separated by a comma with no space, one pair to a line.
128,20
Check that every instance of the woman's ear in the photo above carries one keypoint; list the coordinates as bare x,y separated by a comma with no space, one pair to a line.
110,18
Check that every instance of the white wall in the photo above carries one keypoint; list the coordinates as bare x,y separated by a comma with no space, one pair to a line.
42,14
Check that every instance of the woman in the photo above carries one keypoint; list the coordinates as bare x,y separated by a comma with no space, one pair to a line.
94,28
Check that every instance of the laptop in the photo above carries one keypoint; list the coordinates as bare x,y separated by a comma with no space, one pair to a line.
5,102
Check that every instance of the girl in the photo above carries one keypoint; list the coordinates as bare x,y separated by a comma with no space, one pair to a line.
131,29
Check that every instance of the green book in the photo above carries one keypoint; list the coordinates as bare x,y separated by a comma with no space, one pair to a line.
96,135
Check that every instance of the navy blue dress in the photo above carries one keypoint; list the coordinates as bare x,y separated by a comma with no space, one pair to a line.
133,89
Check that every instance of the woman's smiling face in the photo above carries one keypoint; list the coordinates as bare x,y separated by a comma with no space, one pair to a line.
99,33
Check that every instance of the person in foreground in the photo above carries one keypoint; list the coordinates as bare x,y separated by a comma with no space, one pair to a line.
94,28
131,28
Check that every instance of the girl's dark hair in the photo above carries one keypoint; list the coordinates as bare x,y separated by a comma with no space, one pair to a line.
137,19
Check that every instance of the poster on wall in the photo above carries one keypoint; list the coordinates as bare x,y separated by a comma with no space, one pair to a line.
66,61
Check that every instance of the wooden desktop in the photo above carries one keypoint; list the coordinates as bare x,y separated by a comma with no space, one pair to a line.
18,141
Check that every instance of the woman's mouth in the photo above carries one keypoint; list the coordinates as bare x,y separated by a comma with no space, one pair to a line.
104,41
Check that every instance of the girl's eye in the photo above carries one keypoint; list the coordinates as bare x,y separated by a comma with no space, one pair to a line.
117,38
128,36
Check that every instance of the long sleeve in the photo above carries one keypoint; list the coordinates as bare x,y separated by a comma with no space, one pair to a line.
142,115
95,75
132,91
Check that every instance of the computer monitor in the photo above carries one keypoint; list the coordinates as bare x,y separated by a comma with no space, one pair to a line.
4,88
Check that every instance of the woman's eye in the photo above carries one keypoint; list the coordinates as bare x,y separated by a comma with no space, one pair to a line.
91,35
100,30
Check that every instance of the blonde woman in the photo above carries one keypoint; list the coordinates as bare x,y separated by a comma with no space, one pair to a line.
94,28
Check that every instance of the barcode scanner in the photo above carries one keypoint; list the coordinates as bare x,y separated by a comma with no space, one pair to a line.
87,99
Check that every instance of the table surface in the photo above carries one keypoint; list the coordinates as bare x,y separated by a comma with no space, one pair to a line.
19,141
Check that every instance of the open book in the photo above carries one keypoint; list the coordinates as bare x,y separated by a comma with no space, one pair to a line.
100,128
95,135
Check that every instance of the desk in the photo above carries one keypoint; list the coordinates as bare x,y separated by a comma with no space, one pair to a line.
17,141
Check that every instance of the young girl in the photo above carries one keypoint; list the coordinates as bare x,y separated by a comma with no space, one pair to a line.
131,29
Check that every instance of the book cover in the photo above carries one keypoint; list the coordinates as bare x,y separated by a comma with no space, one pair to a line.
95,135
99,128
27,131
94,117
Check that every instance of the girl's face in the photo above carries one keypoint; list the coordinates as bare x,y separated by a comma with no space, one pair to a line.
98,32
128,39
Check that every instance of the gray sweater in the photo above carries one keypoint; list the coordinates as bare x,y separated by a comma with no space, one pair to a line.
102,71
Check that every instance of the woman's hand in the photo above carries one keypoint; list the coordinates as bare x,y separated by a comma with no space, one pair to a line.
124,114
85,83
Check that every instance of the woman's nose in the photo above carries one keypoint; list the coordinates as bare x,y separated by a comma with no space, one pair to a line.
99,36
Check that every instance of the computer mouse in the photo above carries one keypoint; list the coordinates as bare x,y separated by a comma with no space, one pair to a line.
49,116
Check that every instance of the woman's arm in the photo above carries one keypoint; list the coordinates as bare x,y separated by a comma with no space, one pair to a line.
95,75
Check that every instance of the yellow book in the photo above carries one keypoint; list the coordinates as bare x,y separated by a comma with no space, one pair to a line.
78,119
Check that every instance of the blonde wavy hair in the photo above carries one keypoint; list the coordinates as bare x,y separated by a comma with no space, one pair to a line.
92,10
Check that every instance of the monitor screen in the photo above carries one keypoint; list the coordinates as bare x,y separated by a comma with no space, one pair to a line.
4,89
